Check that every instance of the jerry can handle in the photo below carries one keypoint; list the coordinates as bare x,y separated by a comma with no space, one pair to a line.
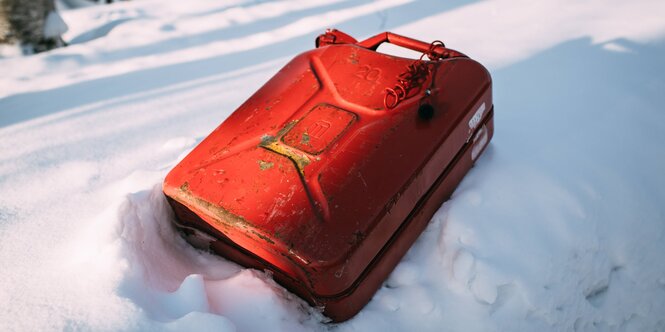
434,50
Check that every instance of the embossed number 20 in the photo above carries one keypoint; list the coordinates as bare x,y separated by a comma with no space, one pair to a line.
368,73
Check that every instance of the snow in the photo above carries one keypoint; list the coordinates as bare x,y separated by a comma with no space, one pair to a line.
560,226
54,26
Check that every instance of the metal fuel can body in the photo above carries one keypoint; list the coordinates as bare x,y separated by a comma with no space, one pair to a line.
330,171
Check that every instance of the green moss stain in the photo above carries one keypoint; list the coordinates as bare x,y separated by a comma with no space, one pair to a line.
273,144
264,165
228,218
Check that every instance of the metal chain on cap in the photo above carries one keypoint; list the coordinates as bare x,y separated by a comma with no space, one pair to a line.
415,75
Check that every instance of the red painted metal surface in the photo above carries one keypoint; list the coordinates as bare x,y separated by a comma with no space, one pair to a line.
330,171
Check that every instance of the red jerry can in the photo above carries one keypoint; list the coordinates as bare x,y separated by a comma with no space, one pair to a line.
330,171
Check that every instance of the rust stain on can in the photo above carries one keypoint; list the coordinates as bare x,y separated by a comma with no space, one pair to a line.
263,237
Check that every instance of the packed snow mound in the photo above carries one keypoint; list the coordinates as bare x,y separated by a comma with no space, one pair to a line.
560,226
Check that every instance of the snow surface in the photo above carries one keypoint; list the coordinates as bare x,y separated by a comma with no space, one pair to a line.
559,227
54,26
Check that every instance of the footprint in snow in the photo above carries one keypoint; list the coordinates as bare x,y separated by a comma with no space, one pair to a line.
597,294
464,266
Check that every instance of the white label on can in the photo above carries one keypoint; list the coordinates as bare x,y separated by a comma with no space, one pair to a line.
479,142
477,117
